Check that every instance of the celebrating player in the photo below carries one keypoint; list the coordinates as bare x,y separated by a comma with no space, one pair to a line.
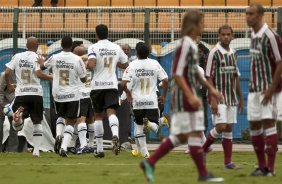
103,57
222,72
68,69
144,74
29,100
266,69
188,119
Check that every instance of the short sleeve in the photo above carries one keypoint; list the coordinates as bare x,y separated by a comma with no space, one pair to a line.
81,70
49,62
91,53
180,58
37,66
128,74
210,64
123,57
12,64
161,73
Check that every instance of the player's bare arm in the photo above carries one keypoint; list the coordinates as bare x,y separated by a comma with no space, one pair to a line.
276,80
240,95
42,75
123,84
10,87
122,65
91,64
165,89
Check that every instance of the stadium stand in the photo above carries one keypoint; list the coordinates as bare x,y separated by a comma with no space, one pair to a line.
191,3
167,2
167,21
263,2
81,3
6,23
99,3
122,2
47,3
75,22
271,19
214,20
233,19
9,3
29,21
27,3
145,3
121,22
139,21
214,3
277,2
237,2
52,22
97,18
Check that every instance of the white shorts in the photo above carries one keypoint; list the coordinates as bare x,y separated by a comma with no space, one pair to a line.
256,111
186,122
279,106
225,114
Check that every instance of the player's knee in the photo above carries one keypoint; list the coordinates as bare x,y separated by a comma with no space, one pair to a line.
228,128
257,125
220,127
182,138
111,111
269,124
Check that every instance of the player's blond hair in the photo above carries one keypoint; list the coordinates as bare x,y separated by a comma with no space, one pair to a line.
190,21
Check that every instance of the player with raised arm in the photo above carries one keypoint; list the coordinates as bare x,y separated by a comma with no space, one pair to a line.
264,85
187,120
103,58
144,75
222,72
28,93
68,69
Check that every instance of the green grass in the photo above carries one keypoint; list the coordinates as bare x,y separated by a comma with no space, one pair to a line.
123,169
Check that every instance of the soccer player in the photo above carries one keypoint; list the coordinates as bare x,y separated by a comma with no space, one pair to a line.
187,118
144,74
28,93
103,57
266,69
68,69
86,110
222,72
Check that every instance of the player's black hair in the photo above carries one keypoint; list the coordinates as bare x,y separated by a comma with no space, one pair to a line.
102,31
142,50
75,44
66,42
226,26
260,9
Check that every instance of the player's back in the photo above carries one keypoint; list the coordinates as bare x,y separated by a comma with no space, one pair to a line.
66,68
107,56
25,64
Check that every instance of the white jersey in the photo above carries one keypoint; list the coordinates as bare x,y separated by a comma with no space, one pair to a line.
85,88
67,69
25,64
107,55
144,75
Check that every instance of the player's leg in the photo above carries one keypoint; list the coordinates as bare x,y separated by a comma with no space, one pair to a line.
36,115
82,127
136,152
72,145
90,125
227,145
18,109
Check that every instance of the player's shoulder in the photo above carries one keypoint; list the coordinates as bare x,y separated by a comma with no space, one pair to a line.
271,34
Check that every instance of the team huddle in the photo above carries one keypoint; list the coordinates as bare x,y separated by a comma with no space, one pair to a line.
85,87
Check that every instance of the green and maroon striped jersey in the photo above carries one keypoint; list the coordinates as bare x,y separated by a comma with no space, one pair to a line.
185,64
266,51
222,69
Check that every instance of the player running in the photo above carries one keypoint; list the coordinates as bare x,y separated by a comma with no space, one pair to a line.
103,58
187,120
222,72
266,69
28,93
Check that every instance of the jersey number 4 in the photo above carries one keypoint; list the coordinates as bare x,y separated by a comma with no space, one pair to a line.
145,86
108,63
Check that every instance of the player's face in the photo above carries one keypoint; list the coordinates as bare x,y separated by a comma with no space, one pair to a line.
225,36
126,50
252,17
200,27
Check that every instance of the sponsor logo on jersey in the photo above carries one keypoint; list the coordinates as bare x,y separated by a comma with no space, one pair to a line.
28,89
144,73
140,103
60,97
103,83
64,65
25,64
107,52
228,69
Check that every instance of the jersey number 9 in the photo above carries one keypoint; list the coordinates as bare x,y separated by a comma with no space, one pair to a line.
26,76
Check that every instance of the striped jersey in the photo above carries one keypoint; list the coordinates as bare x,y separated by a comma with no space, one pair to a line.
223,70
266,51
185,64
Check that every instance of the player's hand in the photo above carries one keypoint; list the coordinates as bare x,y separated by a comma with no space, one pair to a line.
129,97
267,96
195,102
214,106
162,99
11,88
40,60
241,105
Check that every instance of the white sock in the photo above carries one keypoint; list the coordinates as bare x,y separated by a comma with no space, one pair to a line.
91,134
114,123
60,126
37,138
67,137
195,141
82,130
153,126
161,121
203,137
74,137
142,140
18,126
214,133
136,139
99,133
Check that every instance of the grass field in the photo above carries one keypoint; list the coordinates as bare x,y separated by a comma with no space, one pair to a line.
123,169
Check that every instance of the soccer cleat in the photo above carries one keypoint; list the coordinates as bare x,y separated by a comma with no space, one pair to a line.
210,178
82,150
148,170
63,153
167,120
72,150
35,155
259,172
146,128
91,149
232,166
99,154
135,153
58,143
115,142
269,173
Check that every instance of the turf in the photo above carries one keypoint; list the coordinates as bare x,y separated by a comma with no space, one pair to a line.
123,169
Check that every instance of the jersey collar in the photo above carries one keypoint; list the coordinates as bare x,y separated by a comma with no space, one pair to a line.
260,32
223,50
